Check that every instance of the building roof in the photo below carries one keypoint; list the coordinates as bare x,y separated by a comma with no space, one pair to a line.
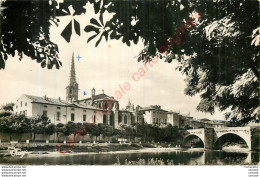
96,97
205,120
59,102
172,112
196,121
151,108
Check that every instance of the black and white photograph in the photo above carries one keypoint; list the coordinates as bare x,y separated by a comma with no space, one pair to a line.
130,82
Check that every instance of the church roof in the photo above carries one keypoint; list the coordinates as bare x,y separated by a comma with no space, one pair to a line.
52,101
97,97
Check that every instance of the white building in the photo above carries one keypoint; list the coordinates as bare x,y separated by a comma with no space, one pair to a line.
154,115
57,110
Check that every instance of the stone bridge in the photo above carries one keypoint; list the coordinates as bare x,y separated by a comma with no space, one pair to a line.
214,138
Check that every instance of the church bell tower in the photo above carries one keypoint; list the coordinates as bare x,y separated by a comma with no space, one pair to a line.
73,87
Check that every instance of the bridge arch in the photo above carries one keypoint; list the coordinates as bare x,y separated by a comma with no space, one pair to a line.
231,137
189,140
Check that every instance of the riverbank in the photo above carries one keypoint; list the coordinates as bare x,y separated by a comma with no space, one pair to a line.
51,148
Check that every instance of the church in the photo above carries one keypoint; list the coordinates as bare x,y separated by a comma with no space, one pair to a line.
97,109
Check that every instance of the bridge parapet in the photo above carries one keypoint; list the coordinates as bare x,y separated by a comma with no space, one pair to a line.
243,132
224,130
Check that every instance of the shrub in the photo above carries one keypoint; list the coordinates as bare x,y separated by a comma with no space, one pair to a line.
148,145
114,140
135,145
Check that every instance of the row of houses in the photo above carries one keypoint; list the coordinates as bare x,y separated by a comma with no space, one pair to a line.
104,109
100,108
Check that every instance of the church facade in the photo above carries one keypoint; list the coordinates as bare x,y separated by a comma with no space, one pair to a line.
99,108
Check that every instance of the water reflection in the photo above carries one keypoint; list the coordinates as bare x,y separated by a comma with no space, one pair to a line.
177,157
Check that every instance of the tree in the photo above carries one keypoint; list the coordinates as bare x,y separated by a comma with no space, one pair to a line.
8,107
4,127
95,131
73,128
106,130
87,127
218,52
147,132
50,129
130,132
4,113
15,124
127,131
21,124
60,129
117,133
41,125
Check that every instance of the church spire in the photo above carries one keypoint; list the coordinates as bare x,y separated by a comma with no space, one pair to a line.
72,71
129,103
72,88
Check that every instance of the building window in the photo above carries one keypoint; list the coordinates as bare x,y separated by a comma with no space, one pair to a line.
84,117
58,107
111,120
45,113
132,120
58,116
25,104
94,119
45,106
154,120
72,117
16,106
125,119
21,103
104,119
72,109
84,110
119,119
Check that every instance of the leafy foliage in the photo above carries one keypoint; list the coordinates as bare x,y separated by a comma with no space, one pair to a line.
15,124
42,125
25,31
7,107
166,133
106,130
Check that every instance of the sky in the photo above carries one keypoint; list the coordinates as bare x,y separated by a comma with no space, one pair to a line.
107,67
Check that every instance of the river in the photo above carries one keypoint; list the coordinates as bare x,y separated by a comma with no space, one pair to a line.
178,157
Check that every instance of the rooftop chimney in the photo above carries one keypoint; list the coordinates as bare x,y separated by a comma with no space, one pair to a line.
45,97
